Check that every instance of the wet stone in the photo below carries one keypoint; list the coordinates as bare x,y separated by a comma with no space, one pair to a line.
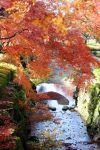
52,108
65,108
68,138
34,139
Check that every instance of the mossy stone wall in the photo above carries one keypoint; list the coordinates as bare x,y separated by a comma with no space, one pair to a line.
89,107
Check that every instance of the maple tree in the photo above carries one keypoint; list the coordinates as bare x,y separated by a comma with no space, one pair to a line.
41,31
34,33
88,17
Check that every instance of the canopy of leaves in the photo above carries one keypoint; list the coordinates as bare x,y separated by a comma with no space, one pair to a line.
34,33
41,32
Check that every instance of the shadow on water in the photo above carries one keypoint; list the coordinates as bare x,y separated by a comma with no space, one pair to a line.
70,130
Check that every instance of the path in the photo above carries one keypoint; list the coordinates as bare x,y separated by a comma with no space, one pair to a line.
71,130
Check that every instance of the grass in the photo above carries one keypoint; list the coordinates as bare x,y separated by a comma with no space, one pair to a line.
7,65
94,46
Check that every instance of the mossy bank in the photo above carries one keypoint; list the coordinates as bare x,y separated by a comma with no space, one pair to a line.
89,106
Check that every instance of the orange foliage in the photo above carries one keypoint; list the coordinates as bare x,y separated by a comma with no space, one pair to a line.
6,139
41,32
87,15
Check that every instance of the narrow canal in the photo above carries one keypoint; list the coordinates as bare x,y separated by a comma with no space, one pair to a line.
69,132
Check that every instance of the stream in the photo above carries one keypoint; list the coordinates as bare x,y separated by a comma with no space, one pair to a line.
70,132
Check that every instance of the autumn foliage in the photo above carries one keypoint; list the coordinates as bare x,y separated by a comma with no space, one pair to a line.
34,34
40,32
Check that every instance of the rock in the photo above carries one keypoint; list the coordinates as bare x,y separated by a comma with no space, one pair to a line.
52,108
31,145
34,139
89,107
65,108
71,107
68,138
19,144
96,137
1,122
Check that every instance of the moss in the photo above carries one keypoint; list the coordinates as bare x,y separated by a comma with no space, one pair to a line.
89,107
96,118
19,145
19,92
37,81
89,120
22,132
7,73
93,105
18,114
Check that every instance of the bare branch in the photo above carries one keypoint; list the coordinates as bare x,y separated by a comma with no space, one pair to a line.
12,36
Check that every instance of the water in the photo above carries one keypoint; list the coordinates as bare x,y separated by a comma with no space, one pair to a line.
69,128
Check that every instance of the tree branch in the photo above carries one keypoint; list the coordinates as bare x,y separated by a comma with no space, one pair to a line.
12,36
